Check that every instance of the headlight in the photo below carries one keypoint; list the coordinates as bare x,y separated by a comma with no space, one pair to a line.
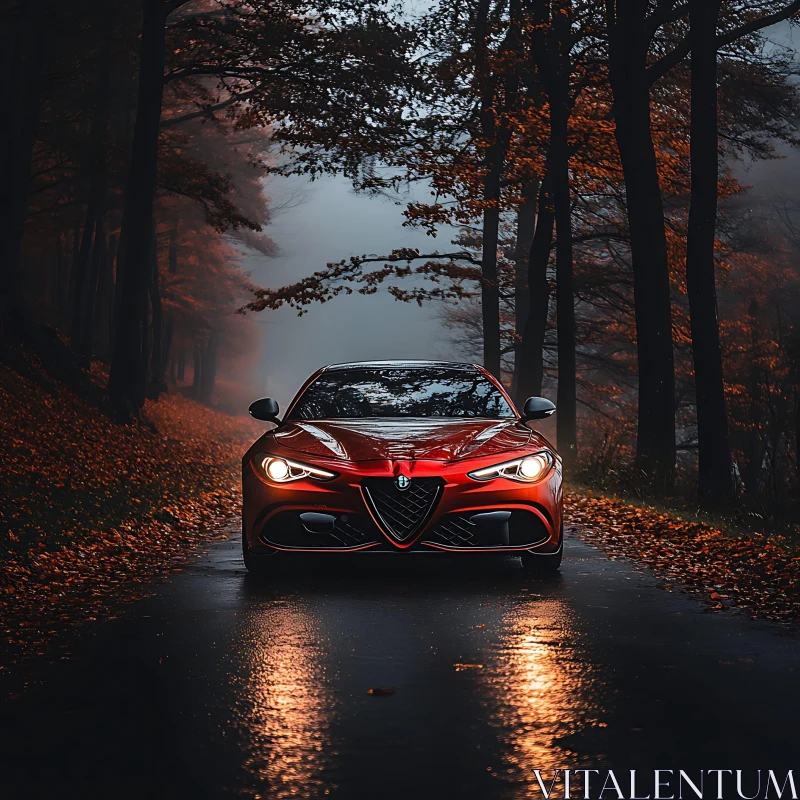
284,470
527,469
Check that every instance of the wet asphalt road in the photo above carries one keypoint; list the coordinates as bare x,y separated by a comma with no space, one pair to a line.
220,686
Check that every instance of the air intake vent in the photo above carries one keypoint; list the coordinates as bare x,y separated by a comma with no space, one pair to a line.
470,530
401,513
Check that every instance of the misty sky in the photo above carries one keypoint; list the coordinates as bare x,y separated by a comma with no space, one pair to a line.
332,223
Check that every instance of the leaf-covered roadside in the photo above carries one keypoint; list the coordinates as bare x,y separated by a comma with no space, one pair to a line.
757,573
89,509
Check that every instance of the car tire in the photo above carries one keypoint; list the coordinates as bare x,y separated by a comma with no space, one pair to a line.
544,563
258,566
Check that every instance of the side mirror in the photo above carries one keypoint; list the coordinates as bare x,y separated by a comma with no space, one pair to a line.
537,408
265,409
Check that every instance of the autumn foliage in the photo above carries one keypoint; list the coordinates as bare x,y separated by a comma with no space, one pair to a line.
91,510
728,568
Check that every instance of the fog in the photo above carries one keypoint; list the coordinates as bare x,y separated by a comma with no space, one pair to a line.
774,180
328,223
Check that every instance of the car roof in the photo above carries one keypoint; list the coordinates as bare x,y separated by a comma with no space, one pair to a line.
401,364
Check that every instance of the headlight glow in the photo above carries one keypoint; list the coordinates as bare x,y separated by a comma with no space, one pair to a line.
527,469
284,470
277,469
531,468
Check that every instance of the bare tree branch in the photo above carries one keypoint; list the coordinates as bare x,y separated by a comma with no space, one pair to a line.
660,68
206,111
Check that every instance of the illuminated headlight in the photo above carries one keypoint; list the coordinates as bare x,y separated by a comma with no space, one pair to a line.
284,470
527,469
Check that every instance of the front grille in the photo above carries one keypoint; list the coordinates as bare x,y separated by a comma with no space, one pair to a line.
402,513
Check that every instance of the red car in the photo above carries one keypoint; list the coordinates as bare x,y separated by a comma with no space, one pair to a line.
402,457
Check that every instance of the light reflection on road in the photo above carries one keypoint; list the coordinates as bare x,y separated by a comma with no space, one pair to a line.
541,694
286,703
303,658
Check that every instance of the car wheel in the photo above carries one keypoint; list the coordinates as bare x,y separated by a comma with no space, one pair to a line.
259,566
544,563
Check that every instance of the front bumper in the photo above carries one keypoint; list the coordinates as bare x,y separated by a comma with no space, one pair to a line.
498,516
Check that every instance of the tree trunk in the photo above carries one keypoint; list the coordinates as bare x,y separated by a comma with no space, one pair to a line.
76,240
61,276
156,358
531,352
98,189
560,107
655,443
496,132
79,272
797,438
209,369
197,377
181,365
98,263
566,402
754,443
173,359
128,377
105,299
73,261
166,351
84,297
490,288
173,247
526,227
715,484
24,49
168,357
115,303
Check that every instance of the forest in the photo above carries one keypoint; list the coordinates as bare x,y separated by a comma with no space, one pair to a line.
608,254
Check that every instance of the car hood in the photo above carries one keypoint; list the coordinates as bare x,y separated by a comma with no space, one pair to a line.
413,439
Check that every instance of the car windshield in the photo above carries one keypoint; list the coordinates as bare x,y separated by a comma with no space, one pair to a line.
357,393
